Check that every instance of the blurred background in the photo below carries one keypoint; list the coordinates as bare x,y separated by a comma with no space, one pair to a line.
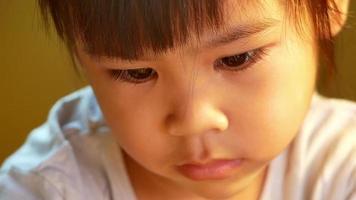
35,70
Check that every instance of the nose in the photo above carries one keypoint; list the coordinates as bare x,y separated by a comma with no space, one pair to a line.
196,114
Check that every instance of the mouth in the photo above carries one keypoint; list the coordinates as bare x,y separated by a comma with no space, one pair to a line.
212,170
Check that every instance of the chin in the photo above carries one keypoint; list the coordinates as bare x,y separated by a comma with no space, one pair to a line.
218,191
218,195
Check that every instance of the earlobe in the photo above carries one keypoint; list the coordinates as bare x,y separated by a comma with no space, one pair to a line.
338,16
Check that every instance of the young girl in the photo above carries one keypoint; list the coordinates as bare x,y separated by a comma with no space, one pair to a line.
192,100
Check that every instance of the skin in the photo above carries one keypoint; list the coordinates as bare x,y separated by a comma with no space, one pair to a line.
193,112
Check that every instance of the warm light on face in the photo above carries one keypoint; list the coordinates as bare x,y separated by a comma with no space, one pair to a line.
196,109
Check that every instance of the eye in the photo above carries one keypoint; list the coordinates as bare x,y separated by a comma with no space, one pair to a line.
139,75
240,61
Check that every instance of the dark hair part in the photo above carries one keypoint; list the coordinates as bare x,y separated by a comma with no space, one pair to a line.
127,28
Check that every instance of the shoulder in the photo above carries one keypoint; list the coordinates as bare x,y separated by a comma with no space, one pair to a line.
64,156
322,158
71,116
329,124
17,185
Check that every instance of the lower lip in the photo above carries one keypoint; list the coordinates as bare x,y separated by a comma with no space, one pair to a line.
220,169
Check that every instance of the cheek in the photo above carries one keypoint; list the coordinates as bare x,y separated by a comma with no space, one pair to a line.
269,127
269,109
136,128
130,119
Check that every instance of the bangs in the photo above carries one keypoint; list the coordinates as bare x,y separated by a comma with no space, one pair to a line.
128,28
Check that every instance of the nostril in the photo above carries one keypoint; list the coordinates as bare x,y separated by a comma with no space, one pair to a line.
178,125
169,122
198,116
212,121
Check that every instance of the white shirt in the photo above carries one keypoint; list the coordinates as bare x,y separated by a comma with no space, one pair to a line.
74,156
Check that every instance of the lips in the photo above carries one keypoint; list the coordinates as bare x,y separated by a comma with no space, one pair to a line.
212,170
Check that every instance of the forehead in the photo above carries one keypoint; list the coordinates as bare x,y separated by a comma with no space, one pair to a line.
247,18
247,11
154,29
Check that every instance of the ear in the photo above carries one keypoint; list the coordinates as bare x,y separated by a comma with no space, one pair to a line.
338,18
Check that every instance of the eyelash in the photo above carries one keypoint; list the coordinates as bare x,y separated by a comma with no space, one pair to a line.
123,75
252,57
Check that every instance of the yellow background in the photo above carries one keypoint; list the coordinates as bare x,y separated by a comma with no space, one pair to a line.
35,71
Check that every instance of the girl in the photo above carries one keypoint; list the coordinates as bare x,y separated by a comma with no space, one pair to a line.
192,100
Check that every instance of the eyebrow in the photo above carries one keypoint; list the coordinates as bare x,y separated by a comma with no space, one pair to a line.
238,32
229,35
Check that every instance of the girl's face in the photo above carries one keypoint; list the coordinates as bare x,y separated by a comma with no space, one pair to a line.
206,118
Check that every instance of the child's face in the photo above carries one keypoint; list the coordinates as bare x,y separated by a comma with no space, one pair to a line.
197,110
